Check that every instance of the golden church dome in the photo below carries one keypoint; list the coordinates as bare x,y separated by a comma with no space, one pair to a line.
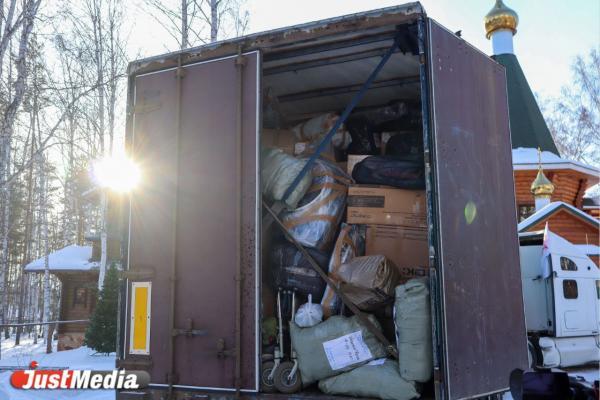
500,17
542,186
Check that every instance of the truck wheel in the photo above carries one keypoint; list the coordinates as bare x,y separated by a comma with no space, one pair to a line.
267,385
533,355
282,383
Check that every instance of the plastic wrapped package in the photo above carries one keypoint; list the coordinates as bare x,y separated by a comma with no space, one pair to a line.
315,221
312,132
308,314
378,379
369,281
291,270
412,316
277,173
322,350
349,244
316,127
407,172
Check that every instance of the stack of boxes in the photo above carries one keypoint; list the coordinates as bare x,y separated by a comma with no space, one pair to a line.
396,225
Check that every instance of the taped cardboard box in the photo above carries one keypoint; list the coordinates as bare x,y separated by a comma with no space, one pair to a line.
279,138
406,247
381,205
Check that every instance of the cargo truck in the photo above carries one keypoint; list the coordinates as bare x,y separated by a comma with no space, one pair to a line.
562,305
192,301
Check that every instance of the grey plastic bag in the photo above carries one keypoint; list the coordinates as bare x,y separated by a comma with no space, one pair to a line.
278,171
336,345
412,317
378,378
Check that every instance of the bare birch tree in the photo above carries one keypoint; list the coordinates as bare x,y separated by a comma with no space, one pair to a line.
14,21
195,22
574,117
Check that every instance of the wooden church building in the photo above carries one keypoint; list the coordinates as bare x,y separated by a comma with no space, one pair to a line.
548,188
77,267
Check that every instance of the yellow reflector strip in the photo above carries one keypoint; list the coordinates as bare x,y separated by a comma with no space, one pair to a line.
140,318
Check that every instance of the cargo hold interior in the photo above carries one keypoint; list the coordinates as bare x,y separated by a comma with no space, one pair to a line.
307,80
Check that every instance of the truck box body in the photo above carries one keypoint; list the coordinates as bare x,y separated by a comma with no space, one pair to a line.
194,126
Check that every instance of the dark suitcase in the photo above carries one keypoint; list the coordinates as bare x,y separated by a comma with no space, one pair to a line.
401,172
291,270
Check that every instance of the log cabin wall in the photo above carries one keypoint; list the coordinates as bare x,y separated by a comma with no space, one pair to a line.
571,228
594,212
77,301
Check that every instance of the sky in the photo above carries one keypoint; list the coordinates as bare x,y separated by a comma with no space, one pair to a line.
550,32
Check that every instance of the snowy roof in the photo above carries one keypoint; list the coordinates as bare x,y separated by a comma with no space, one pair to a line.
527,159
70,258
550,209
589,249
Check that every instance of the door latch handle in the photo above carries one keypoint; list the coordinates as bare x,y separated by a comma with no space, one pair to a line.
189,330
222,350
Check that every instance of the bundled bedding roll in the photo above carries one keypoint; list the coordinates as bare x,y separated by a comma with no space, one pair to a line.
315,221
412,317
323,350
377,379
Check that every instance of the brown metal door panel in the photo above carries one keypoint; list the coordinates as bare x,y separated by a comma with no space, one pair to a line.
207,223
483,324
208,198
151,212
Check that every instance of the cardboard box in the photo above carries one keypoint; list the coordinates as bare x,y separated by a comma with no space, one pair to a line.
381,205
406,247
353,159
280,138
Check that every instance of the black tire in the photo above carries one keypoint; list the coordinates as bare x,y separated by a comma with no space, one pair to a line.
282,383
267,385
534,355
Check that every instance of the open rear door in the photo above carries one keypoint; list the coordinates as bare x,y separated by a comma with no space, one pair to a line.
482,323
193,221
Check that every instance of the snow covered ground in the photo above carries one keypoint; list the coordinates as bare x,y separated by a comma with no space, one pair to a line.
21,356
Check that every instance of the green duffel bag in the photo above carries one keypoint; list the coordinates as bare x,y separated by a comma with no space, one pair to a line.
412,317
336,345
377,379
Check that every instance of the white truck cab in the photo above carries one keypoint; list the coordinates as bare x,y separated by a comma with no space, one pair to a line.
561,293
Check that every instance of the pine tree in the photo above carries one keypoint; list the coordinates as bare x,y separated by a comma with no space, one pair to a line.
101,334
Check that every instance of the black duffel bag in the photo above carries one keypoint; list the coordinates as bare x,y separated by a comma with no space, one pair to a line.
403,172
291,270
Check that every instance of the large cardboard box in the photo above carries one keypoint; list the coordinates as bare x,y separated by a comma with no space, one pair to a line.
406,247
280,138
380,205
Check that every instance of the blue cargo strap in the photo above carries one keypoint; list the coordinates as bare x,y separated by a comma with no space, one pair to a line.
355,100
